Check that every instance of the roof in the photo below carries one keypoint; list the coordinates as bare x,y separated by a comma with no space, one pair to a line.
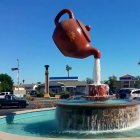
74,83
127,76
25,85
53,83
64,78
70,83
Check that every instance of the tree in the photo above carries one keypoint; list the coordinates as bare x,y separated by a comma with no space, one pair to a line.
23,81
89,81
137,83
39,91
112,82
68,68
6,83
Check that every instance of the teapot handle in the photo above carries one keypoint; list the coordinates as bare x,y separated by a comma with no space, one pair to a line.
64,11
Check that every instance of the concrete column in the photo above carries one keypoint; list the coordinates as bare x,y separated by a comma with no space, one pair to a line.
46,81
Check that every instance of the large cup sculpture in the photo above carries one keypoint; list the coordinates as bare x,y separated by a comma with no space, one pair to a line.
72,37
98,92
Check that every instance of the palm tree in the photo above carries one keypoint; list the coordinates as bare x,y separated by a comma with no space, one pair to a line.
68,68
23,81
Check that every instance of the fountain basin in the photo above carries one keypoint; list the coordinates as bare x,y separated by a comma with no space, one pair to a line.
40,124
97,116
99,98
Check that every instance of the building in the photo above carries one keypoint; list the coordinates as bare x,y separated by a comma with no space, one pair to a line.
54,87
59,85
70,84
127,81
23,89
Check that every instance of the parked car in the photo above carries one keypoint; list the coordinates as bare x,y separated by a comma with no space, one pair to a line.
2,94
128,93
13,101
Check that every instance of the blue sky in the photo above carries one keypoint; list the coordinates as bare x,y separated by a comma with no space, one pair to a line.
26,28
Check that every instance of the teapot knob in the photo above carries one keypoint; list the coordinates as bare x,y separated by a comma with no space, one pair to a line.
88,27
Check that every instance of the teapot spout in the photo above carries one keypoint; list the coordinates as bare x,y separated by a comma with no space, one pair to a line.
95,52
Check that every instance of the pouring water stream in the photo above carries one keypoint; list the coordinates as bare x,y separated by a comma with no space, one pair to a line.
97,72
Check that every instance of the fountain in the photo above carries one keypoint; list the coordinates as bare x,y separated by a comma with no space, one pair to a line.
95,115
94,111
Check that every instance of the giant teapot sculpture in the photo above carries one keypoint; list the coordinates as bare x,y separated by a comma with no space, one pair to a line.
72,37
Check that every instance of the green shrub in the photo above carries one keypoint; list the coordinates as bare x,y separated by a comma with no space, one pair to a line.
28,97
64,92
52,94
40,93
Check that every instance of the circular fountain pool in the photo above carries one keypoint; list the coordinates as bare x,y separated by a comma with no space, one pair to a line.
98,116
44,124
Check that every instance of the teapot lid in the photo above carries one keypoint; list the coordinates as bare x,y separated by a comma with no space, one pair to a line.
85,30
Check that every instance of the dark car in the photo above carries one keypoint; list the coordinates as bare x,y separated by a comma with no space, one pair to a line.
128,93
13,101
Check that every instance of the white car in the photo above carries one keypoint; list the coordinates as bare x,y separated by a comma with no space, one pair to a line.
2,94
128,93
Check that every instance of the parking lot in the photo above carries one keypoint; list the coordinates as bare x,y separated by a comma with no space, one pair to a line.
39,103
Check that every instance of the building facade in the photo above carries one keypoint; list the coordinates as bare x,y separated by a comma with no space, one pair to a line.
127,81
